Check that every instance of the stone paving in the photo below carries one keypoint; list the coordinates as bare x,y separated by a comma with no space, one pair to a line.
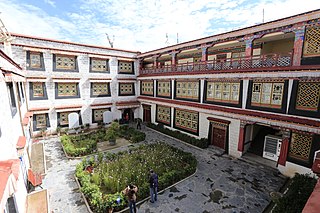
221,183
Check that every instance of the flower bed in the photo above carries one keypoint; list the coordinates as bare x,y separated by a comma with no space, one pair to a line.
201,143
298,193
85,144
104,176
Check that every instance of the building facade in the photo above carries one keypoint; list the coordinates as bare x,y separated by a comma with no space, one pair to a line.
64,77
15,140
253,90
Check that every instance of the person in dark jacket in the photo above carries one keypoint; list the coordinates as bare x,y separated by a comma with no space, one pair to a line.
131,192
153,182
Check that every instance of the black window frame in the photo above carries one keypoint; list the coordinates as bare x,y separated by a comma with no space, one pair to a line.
102,72
65,97
133,86
98,96
35,122
42,65
45,95
54,67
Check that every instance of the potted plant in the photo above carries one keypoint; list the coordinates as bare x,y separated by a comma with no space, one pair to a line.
112,133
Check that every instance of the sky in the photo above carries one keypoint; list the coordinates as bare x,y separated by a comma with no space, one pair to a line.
141,25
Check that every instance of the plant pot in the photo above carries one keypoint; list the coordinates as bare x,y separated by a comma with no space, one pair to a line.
112,142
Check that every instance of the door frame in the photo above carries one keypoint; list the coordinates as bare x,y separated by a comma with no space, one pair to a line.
221,124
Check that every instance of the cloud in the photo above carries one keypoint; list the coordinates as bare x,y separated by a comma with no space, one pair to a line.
143,24
51,2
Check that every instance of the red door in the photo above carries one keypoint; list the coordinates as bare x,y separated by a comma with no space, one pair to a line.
147,114
218,137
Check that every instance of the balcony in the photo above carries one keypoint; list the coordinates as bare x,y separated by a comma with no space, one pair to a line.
243,63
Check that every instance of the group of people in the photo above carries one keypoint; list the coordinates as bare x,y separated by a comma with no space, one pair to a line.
131,191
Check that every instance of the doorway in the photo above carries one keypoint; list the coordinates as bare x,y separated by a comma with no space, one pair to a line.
218,133
128,115
146,113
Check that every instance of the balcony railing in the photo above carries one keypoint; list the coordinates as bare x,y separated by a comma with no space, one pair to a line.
251,62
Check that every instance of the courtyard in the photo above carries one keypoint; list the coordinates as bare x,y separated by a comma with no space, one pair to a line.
220,184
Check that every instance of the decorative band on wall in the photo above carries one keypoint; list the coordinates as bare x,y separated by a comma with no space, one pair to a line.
219,123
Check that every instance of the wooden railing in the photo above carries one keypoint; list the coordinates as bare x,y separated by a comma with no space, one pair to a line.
251,62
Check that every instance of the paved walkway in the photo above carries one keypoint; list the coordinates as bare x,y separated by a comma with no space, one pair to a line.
221,183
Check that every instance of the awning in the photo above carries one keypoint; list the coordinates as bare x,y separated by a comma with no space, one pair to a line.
67,108
127,104
101,80
100,105
36,79
9,172
65,80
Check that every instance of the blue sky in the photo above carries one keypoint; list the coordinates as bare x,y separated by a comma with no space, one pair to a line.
141,25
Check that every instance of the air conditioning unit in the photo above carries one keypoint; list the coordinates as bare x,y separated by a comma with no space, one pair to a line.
272,146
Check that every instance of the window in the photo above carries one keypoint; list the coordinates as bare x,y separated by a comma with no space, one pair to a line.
164,89
41,121
308,96
228,92
99,65
163,115
267,94
100,90
126,89
65,63
97,114
12,100
186,120
312,42
38,91
35,61
67,90
147,88
187,90
125,67
19,94
300,147
63,119
305,98
22,91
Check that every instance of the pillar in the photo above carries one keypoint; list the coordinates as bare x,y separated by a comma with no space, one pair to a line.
241,136
298,45
284,147
204,53
174,58
155,61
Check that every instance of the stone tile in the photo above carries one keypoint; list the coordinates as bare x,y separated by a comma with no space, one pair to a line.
221,183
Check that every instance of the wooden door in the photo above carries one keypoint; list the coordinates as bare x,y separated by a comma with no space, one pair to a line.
147,114
218,137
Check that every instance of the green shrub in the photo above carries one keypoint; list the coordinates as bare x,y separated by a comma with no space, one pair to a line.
116,171
299,191
76,146
201,143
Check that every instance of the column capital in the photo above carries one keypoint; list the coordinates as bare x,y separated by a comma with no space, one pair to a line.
285,133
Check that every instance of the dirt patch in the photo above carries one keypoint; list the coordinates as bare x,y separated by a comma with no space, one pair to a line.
37,159
103,146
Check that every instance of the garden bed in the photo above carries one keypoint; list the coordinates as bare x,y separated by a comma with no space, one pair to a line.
85,144
201,143
296,195
104,176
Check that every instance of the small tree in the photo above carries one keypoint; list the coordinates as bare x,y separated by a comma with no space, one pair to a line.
113,132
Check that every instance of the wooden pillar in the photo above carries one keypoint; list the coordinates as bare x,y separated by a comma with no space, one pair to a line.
204,51
298,45
155,61
284,147
241,136
249,48
174,58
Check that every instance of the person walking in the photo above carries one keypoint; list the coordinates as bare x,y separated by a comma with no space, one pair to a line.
138,123
153,181
131,193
